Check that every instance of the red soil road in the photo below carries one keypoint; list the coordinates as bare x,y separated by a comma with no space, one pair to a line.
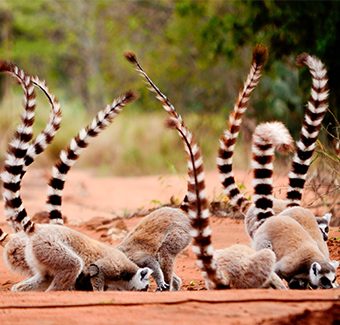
86,197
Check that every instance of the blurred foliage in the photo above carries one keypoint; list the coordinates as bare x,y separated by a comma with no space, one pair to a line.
197,52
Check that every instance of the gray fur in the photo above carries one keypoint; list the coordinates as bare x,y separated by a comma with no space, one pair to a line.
295,249
156,242
58,255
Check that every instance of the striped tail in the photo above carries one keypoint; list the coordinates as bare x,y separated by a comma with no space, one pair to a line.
195,202
267,138
131,57
198,208
68,157
17,148
315,112
47,135
229,138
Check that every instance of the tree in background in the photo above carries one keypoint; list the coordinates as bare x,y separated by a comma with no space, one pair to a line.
288,28
198,51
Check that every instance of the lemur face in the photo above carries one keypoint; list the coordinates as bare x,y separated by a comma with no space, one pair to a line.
323,277
323,223
139,282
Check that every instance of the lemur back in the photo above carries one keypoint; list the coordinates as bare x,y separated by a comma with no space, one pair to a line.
58,255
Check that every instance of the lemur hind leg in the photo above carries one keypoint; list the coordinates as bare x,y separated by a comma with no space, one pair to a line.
157,274
176,282
173,244
65,266
36,282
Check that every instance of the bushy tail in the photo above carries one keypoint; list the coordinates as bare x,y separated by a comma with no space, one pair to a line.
68,157
229,138
47,135
17,148
196,203
315,112
267,138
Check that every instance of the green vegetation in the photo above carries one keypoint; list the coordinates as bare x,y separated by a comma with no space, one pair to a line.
197,52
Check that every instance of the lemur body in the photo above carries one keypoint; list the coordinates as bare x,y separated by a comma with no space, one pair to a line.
156,241
312,123
289,234
58,255
297,253
304,217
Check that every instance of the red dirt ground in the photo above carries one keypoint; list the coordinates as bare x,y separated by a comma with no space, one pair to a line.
88,200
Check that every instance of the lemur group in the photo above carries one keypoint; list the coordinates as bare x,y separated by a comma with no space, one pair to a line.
288,242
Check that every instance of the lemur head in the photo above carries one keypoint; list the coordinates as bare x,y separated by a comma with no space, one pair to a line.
323,223
110,274
323,275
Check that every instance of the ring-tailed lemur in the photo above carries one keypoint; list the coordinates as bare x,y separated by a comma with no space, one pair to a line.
315,111
14,244
228,141
58,255
300,261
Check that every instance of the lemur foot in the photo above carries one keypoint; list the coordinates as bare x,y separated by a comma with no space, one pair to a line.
163,287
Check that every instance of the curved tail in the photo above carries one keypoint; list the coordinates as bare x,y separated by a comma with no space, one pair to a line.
131,57
314,114
195,202
47,135
267,138
229,138
68,157
17,148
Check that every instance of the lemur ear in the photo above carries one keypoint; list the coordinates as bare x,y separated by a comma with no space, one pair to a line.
316,267
335,264
328,217
93,270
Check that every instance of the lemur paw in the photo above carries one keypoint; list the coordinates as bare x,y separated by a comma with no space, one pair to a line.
163,287
18,287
